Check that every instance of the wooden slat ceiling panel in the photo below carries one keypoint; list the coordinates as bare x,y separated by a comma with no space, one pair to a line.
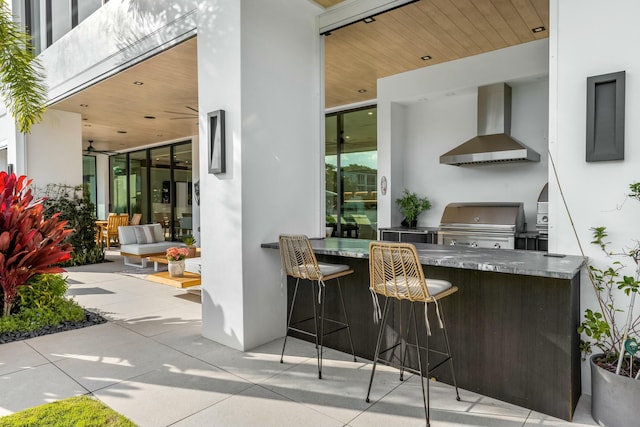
443,29
169,93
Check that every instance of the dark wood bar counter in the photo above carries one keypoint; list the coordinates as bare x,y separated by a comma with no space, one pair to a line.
512,324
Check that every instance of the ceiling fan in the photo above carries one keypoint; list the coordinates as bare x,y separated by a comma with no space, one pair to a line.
186,115
92,150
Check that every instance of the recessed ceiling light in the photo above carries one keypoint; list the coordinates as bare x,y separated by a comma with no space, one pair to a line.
362,90
137,83
347,137
538,29
84,105
426,57
370,113
122,131
149,117
368,20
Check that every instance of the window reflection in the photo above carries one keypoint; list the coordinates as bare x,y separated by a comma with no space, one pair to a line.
351,173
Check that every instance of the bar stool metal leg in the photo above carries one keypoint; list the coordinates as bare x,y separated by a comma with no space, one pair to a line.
346,320
322,300
446,341
378,343
425,396
293,303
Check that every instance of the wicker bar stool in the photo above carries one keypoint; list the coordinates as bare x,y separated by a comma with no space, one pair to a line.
299,262
395,272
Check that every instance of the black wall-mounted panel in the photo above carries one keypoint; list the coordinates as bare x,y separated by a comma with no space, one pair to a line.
605,117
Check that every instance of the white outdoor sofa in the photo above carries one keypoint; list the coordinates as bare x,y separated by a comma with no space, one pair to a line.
139,242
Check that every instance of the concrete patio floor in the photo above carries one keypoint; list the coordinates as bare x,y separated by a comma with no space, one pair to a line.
150,363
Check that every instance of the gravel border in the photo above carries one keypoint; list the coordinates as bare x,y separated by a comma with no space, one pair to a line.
90,319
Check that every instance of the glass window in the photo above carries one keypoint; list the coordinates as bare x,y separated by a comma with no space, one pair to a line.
89,179
183,178
32,23
160,187
87,7
156,183
138,184
60,18
351,173
118,179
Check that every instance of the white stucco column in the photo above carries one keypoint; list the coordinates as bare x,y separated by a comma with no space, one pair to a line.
51,149
259,60
595,192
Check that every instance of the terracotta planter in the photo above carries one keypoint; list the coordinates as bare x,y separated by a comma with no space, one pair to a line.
176,268
614,398
192,251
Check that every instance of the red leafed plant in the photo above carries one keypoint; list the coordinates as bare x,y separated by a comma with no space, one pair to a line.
29,244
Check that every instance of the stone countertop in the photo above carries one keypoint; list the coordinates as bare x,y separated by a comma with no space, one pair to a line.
526,263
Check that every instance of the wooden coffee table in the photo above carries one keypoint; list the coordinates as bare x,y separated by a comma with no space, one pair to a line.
157,260
186,281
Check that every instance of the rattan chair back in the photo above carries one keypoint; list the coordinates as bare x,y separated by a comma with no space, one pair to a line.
395,271
135,219
298,259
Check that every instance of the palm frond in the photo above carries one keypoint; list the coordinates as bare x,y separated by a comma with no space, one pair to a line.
22,85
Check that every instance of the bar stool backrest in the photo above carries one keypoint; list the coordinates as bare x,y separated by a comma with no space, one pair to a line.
395,271
298,259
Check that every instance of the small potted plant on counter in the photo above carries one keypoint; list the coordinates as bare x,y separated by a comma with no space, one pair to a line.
615,373
190,241
411,205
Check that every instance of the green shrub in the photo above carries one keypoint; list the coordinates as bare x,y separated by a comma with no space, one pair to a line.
75,206
42,304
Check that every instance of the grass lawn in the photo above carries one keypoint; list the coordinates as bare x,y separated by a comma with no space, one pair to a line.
78,411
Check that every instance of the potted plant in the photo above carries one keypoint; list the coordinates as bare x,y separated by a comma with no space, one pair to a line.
411,206
615,372
190,241
176,257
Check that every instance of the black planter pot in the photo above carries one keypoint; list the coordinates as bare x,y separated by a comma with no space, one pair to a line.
409,224
614,398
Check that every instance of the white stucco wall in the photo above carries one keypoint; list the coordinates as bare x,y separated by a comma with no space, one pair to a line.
258,61
595,192
424,113
48,148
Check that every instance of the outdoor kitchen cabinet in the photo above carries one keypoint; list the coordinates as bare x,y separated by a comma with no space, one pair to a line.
512,324
410,235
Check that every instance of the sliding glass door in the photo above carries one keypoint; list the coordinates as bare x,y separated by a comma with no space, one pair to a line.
156,183
351,161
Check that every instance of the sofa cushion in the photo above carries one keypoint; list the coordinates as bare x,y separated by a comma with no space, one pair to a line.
149,248
127,234
145,234
157,229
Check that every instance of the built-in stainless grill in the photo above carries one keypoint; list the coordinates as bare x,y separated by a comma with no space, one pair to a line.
481,225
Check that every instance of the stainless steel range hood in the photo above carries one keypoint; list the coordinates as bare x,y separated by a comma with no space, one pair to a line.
494,142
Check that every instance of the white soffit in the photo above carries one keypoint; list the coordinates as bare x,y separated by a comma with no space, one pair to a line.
351,11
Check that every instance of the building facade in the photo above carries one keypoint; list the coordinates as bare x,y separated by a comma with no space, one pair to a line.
261,61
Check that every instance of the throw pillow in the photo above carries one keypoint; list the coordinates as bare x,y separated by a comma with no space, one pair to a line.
145,235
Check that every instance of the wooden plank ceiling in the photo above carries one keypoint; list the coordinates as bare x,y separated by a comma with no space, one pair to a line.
442,30
356,56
